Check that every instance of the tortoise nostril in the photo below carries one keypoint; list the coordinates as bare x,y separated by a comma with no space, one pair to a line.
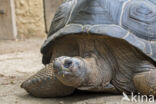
67,63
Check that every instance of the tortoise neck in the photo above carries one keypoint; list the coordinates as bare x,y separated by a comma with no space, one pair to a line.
95,49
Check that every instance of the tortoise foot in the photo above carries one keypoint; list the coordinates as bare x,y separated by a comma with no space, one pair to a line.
145,82
45,84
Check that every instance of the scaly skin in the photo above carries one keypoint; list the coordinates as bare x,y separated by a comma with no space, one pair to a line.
82,73
145,82
76,72
45,84
93,63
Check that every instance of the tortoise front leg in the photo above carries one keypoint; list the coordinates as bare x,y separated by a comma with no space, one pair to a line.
45,84
145,82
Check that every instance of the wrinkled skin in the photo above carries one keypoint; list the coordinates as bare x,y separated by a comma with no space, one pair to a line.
85,64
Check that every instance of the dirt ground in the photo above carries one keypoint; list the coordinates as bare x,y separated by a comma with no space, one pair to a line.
21,59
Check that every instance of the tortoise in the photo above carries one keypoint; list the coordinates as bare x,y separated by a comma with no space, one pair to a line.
98,46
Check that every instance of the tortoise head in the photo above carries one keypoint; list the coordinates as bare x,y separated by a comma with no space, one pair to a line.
71,71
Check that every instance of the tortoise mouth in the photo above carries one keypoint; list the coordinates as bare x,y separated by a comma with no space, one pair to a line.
64,74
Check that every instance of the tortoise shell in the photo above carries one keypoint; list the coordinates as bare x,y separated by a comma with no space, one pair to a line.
131,20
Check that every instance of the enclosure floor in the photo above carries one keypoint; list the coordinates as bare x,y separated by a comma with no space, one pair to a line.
21,59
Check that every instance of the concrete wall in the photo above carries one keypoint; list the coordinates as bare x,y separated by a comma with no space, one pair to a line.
29,18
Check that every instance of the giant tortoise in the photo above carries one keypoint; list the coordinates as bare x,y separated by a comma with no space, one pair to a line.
99,46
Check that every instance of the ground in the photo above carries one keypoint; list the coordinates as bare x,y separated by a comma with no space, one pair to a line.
21,59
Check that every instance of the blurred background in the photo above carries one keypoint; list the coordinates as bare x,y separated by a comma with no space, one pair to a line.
21,19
